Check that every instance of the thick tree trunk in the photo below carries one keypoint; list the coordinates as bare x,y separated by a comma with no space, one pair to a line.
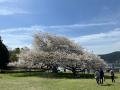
74,71
55,69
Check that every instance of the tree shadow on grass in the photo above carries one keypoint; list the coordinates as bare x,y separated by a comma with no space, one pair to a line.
59,75
53,75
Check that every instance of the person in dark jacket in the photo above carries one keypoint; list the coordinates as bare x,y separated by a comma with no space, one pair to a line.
101,76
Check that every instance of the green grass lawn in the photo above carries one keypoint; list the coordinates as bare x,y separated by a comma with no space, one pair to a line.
45,81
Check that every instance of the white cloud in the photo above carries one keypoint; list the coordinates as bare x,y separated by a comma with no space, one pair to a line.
101,36
19,37
13,41
101,42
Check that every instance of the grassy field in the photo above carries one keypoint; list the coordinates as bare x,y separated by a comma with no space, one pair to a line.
44,81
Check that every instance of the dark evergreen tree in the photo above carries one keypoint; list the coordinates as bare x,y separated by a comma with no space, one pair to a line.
4,55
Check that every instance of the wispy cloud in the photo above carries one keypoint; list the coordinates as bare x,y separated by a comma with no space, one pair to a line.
83,25
23,29
3,1
11,11
11,7
62,28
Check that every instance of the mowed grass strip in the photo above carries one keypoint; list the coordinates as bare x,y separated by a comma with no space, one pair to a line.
48,81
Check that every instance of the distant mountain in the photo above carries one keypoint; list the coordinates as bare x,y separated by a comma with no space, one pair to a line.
113,57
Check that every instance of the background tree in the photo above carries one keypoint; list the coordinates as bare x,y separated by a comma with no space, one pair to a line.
14,54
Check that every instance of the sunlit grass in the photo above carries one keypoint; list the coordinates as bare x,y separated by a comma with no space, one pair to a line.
38,81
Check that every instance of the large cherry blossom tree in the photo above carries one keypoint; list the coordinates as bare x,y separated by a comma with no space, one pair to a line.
53,51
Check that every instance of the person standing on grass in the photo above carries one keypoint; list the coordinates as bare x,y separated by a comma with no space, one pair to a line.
112,76
97,76
101,76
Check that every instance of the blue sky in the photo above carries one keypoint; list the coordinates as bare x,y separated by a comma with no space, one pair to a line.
94,24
